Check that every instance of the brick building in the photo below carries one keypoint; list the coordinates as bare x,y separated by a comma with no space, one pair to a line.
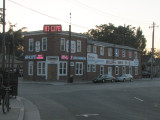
46,57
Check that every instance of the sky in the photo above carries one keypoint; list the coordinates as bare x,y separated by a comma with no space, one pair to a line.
85,15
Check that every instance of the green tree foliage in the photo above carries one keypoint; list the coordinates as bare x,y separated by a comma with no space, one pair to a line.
16,38
121,35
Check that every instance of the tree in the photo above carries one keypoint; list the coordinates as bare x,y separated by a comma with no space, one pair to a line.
14,39
121,35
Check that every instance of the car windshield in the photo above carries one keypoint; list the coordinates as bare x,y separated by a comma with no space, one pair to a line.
99,76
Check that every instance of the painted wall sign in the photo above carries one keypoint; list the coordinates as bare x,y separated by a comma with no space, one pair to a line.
65,57
34,57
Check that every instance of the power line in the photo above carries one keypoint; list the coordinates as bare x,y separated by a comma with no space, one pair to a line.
47,15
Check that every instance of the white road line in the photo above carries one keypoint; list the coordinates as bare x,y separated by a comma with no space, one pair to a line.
87,115
138,99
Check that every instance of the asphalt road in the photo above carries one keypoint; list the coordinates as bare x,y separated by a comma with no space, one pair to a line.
138,100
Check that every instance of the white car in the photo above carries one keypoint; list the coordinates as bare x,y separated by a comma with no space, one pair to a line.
125,77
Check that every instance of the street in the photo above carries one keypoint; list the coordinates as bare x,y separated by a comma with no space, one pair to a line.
138,100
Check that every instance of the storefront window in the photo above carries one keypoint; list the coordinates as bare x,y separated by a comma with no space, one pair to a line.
79,68
123,69
93,68
63,68
89,68
101,69
30,68
41,68
136,70
117,70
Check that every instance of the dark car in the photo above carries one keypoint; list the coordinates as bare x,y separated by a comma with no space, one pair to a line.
146,74
104,78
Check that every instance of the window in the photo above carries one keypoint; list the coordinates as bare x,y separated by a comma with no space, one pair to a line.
117,70
79,68
130,70
62,44
93,68
41,68
30,68
78,45
135,55
44,44
123,53
117,52
88,48
130,54
101,50
123,70
63,68
94,49
101,69
89,68
31,44
136,70
109,51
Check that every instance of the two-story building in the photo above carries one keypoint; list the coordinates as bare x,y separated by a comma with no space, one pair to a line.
46,57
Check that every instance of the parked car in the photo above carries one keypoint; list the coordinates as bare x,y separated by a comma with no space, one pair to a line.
103,78
146,74
125,77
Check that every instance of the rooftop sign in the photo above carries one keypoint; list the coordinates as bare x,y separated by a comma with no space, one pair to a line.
52,28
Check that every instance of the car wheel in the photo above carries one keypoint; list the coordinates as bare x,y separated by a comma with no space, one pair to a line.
131,80
124,80
103,81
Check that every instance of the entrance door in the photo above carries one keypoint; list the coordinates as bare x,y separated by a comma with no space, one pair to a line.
110,70
52,72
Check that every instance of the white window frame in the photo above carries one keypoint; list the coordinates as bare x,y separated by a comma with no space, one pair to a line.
79,68
101,50
30,68
78,45
31,43
116,52
88,67
44,39
123,53
63,68
109,51
94,49
130,54
88,48
135,55
62,44
101,69
42,71
123,70
117,70
136,70
94,68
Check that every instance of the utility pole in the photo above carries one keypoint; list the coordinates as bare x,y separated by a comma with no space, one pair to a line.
69,52
3,39
152,55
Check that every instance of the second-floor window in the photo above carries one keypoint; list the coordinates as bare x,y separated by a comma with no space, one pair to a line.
44,44
117,52
130,54
94,49
135,55
88,48
31,44
123,53
62,44
78,45
109,51
101,50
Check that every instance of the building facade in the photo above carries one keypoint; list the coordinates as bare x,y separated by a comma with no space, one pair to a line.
46,57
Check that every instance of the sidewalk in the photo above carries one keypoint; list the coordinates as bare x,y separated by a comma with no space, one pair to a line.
16,112
21,109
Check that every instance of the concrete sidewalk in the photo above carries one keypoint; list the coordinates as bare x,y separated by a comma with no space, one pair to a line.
21,109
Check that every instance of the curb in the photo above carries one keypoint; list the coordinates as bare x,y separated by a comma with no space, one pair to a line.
21,112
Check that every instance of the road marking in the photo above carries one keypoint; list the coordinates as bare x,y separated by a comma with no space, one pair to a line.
87,115
139,99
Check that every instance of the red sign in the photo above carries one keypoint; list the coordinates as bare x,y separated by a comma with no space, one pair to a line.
52,28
